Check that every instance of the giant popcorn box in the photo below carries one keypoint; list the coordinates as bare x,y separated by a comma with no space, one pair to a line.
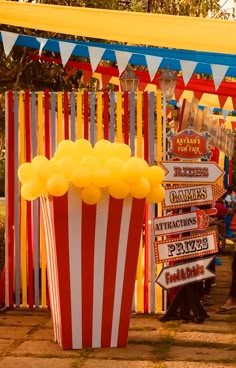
92,253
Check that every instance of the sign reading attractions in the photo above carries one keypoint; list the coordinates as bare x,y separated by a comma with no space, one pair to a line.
191,172
176,224
189,144
182,248
188,196
185,273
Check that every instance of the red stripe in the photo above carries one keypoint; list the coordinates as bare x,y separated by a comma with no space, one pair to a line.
47,124
10,196
146,258
29,204
126,117
145,126
86,114
60,208
66,115
106,114
135,227
112,243
87,257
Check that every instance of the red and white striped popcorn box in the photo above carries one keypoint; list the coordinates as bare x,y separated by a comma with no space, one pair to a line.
92,253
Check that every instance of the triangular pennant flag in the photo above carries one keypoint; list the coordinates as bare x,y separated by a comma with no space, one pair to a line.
95,54
42,42
66,49
142,86
178,94
8,41
188,68
86,76
122,59
222,100
218,73
225,113
105,80
198,95
153,63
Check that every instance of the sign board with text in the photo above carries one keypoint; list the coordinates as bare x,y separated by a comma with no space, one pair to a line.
180,223
191,172
185,273
182,196
182,248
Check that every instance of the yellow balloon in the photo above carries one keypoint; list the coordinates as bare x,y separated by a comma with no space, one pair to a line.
123,151
26,172
57,185
38,159
155,175
91,194
26,192
46,169
102,177
66,167
140,189
119,189
81,177
83,148
37,187
115,165
103,149
91,162
156,194
133,169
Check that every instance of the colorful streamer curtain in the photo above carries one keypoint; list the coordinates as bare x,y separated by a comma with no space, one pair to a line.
35,123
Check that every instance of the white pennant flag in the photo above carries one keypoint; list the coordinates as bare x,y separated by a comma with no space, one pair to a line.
218,73
8,40
66,49
122,59
187,68
153,63
42,43
95,54
225,113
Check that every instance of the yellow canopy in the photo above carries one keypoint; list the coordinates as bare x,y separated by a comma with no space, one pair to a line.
200,34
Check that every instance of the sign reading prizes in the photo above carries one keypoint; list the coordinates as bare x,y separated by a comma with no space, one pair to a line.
189,182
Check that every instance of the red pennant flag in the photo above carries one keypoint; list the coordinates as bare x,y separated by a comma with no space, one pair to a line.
105,80
222,100
87,75
142,86
234,102
178,94
198,95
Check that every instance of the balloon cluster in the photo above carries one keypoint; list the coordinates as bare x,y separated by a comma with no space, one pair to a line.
105,167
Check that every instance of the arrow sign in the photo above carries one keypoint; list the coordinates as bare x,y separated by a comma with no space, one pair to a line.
191,172
185,273
178,196
176,224
186,247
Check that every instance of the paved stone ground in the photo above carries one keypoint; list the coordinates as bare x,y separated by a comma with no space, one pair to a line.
26,340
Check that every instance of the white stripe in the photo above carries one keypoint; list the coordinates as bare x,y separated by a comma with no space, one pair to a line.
99,262
75,216
122,249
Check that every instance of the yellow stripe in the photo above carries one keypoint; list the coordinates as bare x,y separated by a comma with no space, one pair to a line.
60,133
40,124
139,282
139,124
158,289
79,115
119,117
23,234
99,115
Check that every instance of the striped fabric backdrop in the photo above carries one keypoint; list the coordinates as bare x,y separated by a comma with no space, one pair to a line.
35,123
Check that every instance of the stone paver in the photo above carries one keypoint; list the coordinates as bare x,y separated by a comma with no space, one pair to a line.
196,365
118,364
201,354
131,351
206,337
10,362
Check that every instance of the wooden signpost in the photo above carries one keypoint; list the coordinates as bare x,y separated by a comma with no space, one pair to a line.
191,196
185,273
180,223
196,245
191,172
